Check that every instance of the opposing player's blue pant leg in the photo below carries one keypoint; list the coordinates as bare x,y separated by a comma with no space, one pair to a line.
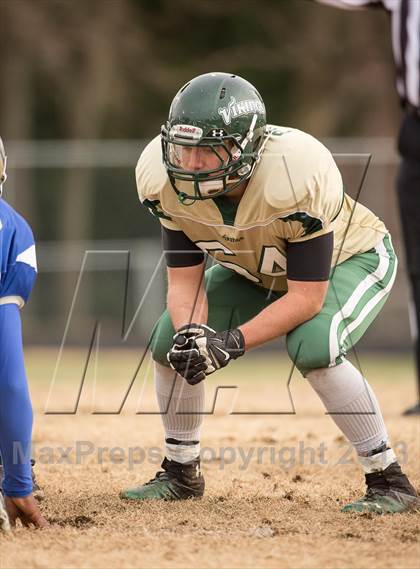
15,406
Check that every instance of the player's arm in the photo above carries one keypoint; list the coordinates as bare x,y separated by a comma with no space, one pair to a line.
302,302
186,299
199,351
308,269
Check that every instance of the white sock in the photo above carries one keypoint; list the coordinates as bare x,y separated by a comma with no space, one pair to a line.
350,400
378,461
182,407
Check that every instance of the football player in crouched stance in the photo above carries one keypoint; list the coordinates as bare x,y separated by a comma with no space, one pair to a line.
294,255
17,276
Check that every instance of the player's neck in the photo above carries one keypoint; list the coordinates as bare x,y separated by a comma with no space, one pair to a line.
235,195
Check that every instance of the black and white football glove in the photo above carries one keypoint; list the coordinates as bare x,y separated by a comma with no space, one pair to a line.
198,350
185,358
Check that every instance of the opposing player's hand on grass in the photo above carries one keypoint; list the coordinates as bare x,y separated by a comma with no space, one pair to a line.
198,350
26,510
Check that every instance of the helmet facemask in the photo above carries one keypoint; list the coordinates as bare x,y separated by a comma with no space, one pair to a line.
228,159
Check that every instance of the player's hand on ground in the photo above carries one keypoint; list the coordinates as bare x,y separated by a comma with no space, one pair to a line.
26,510
203,350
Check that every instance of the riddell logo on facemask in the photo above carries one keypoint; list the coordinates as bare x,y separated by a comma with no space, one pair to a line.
186,131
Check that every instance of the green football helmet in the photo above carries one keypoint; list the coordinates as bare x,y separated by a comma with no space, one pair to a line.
221,118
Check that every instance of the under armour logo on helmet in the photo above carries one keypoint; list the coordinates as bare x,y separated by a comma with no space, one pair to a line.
219,132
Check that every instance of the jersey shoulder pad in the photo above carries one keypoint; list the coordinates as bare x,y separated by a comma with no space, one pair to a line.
13,222
152,182
16,239
297,168
301,182
6,213
151,176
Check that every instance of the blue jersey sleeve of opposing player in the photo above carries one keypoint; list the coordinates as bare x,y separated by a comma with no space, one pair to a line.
18,267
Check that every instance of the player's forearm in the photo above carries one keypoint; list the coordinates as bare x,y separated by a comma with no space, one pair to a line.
187,306
279,318
187,298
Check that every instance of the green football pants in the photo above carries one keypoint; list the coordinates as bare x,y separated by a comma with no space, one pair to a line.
357,291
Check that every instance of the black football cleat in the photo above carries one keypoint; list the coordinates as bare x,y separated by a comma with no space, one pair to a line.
388,492
176,482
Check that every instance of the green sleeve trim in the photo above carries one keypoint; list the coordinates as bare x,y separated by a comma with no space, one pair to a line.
310,224
156,209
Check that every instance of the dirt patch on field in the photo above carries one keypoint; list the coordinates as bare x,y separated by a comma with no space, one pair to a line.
275,483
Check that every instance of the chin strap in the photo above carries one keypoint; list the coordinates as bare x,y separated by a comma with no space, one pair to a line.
208,187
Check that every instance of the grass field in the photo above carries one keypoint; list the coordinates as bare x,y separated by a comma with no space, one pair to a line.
275,482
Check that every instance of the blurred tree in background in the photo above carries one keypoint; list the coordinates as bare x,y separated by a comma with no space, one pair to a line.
108,69
89,69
